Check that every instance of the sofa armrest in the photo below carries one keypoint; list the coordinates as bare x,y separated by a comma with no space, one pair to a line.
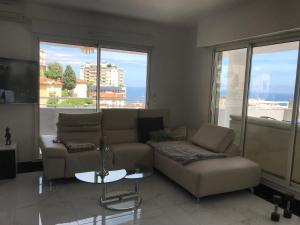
50,149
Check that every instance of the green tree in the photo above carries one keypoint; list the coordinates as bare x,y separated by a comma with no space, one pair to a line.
69,79
89,88
54,71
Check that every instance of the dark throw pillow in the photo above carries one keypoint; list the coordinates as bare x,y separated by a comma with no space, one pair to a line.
148,125
161,135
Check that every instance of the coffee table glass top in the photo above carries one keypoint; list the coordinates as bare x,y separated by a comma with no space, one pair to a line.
139,173
94,178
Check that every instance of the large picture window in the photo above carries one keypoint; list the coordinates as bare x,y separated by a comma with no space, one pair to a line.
84,79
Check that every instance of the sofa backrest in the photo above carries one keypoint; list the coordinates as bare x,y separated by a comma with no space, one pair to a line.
120,125
117,125
79,127
213,138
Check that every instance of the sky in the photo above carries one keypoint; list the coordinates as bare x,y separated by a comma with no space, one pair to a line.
271,73
133,64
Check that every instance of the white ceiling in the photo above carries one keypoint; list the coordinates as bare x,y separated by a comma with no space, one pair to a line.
180,12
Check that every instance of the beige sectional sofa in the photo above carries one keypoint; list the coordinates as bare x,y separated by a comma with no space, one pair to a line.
119,126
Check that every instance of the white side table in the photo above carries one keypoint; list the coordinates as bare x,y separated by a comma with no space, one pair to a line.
8,165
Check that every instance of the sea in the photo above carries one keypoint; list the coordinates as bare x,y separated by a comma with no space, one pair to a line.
278,97
138,94
135,94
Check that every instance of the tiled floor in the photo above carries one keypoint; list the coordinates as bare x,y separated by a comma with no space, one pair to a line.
28,200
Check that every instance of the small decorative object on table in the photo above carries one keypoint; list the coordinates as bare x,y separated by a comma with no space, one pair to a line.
7,136
104,149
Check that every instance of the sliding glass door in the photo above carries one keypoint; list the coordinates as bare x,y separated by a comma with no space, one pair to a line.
229,88
270,106
255,92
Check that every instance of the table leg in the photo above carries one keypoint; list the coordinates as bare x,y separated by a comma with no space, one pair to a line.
104,189
136,187
111,201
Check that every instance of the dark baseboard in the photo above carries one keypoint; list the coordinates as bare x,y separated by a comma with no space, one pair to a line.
26,167
267,194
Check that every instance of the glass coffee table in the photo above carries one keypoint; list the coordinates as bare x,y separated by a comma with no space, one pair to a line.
136,175
117,200
94,178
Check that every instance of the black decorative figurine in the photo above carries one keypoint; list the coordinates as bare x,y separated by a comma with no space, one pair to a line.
7,136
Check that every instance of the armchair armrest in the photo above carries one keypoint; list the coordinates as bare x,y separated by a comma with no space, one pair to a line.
50,149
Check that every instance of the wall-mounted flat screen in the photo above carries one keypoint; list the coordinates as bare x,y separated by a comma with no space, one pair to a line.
18,81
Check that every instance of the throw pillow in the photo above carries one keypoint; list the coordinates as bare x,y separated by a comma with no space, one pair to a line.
161,135
214,138
148,125
179,133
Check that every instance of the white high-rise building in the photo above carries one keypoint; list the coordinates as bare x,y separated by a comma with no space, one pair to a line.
110,74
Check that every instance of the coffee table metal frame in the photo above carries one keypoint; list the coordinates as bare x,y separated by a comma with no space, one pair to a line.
112,200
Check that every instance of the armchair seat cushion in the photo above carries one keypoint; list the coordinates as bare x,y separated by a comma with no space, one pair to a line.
131,155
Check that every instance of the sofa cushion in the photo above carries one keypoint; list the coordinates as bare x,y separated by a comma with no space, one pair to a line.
79,127
214,138
130,155
179,133
85,161
120,136
119,119
120,125
148,125
82,119
213,176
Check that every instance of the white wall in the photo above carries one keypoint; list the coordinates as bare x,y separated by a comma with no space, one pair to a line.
198,83
20,119
167,68
250,20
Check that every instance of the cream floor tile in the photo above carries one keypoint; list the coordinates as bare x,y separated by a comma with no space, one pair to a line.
30,200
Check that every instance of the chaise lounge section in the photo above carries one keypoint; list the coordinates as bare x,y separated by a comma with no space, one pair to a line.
212,176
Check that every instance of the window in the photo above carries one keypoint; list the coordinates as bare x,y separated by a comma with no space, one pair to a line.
123,79
69,77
